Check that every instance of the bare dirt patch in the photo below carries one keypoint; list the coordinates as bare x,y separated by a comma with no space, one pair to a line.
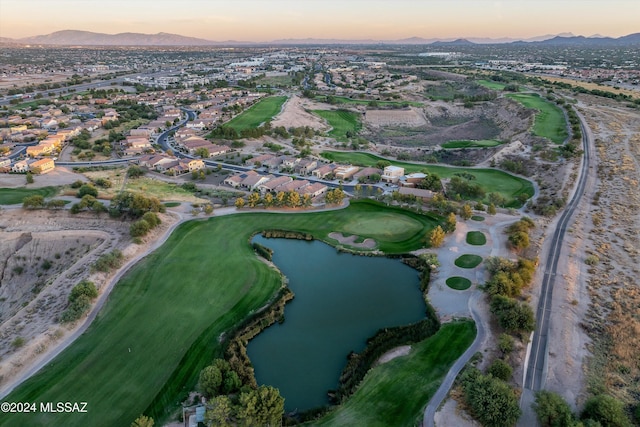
294,114
59,176
411,117
351,241
27,239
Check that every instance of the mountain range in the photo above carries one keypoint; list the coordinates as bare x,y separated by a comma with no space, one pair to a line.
87,38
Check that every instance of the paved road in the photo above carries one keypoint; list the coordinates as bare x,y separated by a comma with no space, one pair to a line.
536,370
443,390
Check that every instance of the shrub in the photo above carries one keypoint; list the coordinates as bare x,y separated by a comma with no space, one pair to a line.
552,410
87,189
606,410
512,315
505,343
79,301
491,400
501,370
17,342
108,261
139,228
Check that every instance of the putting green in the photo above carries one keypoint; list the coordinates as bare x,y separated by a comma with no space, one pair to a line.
468,261
458,283
477,218
476,238
389,227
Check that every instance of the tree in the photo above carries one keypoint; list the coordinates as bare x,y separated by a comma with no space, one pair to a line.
435,237
519,240
253,200
466,212
139,228
450,225
293,199
29,178
505,343
552,410
268,200
491,209
606,410
202,152
33,202
497,199
87,189
501,370
218,378
491,400
220,412
512,315
261,407
143,421
239,202
135,171
281,198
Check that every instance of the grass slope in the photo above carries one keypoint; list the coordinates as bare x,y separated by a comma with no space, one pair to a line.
260,112
163,320
483,143
490,84
395,393
550,122
14,196
341,122
491,180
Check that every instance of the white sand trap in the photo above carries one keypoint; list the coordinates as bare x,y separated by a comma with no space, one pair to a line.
350,240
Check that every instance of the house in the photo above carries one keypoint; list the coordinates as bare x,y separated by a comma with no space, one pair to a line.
38,150
42,166
4,161
367,173
305,166
20,167
273,163
345,172
235,180
289,162
392,174
152,160
412,179
260,159
253,181
323,171
417,192
272,184
315,189
292,186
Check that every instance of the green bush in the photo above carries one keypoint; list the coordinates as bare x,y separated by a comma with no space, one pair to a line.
108,261
501,370
492,401
552,410
79,301
512,315
139,228
87,189
606,410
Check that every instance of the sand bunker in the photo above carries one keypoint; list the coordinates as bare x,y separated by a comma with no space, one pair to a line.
350,241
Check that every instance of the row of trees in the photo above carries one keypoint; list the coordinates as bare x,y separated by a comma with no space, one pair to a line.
37,202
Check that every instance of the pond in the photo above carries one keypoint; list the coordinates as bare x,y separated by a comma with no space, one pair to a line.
340,301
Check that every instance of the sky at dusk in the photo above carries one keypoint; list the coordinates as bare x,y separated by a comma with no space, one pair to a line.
264,20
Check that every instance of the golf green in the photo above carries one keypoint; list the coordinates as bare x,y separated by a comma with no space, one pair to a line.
458,283
476,238
468,261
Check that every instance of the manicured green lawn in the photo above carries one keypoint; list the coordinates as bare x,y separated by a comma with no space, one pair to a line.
491,180
341,121
395,393
483,143
550,122
476,238
493,85
477,218
458,283
14,196
260,112
468,261
164,318
172,204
